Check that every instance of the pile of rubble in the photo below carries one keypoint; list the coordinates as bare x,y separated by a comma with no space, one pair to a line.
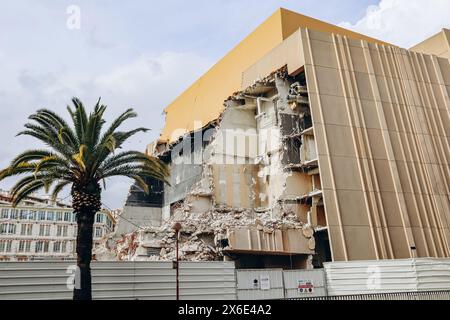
200,236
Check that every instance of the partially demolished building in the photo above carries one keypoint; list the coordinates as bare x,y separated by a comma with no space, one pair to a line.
330,146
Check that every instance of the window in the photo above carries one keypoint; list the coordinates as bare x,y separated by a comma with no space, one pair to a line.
26,229
5,213
8,228
24,246
5,246
59,216
50,215
57,246
24,214
61,231
98,232
109,223
39,245
42,246
14,214
29,230
41,215
99,218
74,217
32,215
44,230
67,216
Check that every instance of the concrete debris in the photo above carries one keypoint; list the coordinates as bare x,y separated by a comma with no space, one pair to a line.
202,236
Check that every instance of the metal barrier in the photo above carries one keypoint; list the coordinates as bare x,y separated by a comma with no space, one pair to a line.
260,284
413,279
119,280
304,283
431,295
387,276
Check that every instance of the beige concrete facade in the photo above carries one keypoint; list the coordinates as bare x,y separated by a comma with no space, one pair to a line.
381,121
438,45
381,125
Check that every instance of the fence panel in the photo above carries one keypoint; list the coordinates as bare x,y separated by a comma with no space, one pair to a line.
304,283
433,274
262,284
370,277
34,280
120,280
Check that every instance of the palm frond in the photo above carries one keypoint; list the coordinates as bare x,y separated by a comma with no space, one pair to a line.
58,188
128,114
17,170
141,170
79,118
49,138
64,130
79,157
134,158
27,190
30,155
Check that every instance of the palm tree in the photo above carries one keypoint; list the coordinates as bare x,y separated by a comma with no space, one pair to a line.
81,157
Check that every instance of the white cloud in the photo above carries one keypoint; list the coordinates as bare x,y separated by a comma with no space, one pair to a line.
403,22
159,78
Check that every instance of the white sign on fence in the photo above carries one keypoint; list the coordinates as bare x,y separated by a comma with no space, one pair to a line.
305,286
264,279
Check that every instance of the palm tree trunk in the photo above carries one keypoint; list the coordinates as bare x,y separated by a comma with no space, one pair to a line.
85,221
86,202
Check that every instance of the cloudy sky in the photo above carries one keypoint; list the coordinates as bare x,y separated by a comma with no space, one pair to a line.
144,53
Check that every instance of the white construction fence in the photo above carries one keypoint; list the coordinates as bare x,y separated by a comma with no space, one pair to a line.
412,279
119,280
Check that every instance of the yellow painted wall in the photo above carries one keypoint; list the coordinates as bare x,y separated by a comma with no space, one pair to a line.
203,101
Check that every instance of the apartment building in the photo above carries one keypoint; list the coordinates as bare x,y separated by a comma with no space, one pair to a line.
306,143
40,229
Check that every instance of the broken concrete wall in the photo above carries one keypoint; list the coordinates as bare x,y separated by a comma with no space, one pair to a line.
235,139
186,170
236,186
134,217
239,199
257,240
